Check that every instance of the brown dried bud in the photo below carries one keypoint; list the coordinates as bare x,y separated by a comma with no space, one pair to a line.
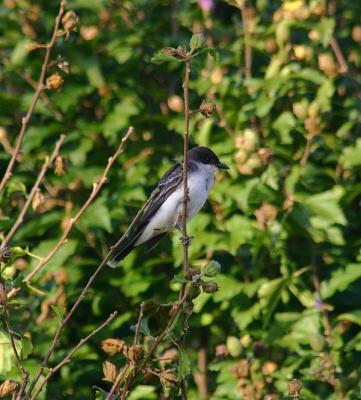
241,369
38,200
5,254
265,214
3,295
314,35
210,287
60,166
168,378
112,346
327,64
264,155
294,388
312,126
270,45
8,387
170,51
207,109
110,372
54,81
69,21
135,353
181,52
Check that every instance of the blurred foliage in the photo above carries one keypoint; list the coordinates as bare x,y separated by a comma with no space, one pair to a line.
285,216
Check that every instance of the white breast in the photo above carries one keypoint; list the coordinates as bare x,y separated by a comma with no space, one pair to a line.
166,218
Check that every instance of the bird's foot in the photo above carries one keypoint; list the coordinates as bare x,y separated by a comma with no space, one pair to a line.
186,240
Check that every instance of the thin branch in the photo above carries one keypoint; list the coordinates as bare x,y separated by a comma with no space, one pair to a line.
96,188
344,69
39,89
247,44
46,165
307,151
24,372
117,381
185,238
67,358
137,329
91,279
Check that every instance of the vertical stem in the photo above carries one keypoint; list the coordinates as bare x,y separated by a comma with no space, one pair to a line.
185,238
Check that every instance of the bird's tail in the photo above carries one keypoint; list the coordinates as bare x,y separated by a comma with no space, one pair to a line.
119,253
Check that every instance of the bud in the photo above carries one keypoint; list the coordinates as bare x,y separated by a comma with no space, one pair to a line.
300,109
70,21
250,140
5,254
312,126
245,340
212,269
113,346
38,200
234,346
294,388
265,214
300,51
89,32
60,166
327,64
168,378
194,292
241,157
175,103
241,369
269,367
170,51
8,387
54,81
254,162
3,295
135,353
197,41
181,52
264,155
207,109
221,350
270,45
110,372
356,33
210,287
314,35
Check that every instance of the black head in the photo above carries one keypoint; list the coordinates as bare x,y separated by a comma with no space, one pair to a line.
206,156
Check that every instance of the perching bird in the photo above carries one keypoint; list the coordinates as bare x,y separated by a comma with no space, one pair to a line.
163,210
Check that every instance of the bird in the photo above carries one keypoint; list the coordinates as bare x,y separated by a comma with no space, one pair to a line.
163,210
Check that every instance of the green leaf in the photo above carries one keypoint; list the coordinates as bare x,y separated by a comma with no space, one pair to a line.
352,316
351,155
96,216
340,280
26,347
164,55
59,312
7,358
197,41
184,363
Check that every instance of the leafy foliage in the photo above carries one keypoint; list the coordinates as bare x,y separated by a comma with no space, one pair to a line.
283,222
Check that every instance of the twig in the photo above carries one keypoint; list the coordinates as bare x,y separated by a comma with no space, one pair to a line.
67,358
90,281
39,89
96,188
117,381
247,44
340,58
137,329
307,151
24,372
185,238
46,165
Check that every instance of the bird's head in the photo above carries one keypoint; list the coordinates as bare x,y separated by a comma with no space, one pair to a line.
206,156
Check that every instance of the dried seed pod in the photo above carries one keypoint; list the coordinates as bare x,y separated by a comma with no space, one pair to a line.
5,254
294,388
265,214
168,378
54,81
60,166
38,200
3,295
70,21
210,287
8,387
175,103
241,369
207,109
264,155
269,367
110,372
112,346
135,353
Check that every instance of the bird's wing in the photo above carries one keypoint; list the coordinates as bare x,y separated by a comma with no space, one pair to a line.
167,185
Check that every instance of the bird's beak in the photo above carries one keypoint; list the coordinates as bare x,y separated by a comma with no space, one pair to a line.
221,165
